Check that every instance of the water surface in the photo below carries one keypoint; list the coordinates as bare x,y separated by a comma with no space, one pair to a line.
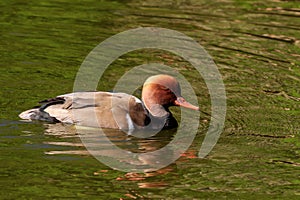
256,47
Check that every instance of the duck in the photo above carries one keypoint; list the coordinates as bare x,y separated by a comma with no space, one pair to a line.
116,110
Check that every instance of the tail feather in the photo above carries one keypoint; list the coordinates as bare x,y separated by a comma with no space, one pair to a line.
37,114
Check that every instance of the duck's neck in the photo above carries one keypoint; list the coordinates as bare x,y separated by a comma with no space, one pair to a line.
159,117
170,122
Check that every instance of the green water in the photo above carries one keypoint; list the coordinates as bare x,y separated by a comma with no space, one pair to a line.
256,46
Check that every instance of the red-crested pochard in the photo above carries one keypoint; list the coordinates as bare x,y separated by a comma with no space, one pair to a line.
116,110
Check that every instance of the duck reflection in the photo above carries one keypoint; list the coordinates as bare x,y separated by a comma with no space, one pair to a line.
115,146
87,141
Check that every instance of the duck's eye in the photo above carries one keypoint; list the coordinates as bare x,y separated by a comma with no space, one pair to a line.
163,87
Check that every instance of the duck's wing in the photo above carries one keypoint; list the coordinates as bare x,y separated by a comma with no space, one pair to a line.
93,109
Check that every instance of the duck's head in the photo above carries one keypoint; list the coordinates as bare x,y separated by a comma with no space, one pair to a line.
160,92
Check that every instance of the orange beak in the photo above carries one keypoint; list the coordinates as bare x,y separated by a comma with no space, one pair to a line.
180,101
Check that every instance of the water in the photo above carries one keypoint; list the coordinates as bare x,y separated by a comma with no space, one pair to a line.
254,44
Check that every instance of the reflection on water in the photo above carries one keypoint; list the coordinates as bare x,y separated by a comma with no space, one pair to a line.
117,137
98,146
